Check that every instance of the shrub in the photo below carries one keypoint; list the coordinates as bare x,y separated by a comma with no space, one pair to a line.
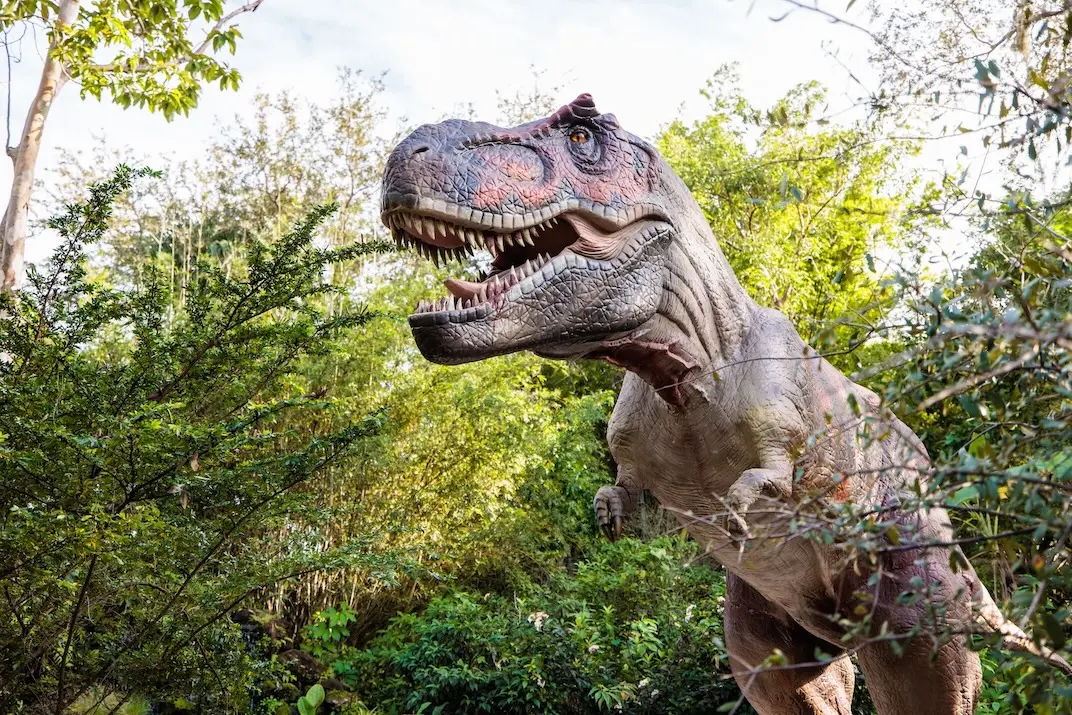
637,627
147,477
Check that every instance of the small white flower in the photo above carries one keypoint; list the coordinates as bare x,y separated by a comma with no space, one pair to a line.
537,619
689,610
539,681
642,684
593,648
655,692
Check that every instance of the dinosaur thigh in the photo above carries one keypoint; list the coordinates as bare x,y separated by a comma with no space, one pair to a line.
755,628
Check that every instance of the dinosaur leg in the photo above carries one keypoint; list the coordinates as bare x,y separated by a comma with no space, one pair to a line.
754,628
921,681
945,681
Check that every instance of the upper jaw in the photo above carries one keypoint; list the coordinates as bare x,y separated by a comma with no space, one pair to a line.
478,220
573,234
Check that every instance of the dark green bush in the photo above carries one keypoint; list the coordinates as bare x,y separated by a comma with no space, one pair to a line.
637,627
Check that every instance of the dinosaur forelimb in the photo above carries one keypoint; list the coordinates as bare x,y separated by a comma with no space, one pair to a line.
613,504
609,505
743,493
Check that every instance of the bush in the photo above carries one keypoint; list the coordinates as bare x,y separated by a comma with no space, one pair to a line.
637,627
148,482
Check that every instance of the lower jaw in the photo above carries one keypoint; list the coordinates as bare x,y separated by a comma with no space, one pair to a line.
488,330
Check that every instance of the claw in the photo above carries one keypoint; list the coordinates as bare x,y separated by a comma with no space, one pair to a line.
608,508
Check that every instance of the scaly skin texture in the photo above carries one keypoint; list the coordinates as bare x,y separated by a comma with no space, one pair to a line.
727,416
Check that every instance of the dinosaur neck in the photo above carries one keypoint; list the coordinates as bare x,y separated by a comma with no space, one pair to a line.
701,322
704,307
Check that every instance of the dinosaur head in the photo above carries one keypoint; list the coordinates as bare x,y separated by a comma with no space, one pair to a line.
573,210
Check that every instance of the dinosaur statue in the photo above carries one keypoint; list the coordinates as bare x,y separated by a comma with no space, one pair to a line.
598,250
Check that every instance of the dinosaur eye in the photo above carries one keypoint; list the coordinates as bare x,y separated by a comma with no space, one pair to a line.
579,135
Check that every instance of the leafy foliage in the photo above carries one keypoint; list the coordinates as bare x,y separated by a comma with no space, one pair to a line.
155,55
635,628
988,389
146,469
802,214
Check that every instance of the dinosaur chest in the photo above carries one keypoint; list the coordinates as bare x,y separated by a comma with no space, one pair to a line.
687,463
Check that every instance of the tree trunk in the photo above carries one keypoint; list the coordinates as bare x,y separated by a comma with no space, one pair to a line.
13,226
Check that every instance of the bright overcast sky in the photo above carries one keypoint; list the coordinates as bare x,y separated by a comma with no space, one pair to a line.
641,59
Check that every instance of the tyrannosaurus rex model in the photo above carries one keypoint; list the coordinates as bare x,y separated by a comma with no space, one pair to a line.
599,251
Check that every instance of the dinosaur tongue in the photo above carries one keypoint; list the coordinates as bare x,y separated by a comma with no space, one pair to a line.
593,241
462,289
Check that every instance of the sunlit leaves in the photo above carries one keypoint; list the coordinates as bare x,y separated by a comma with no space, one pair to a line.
156,55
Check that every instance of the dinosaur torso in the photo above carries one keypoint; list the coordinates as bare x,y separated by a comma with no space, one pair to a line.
689,455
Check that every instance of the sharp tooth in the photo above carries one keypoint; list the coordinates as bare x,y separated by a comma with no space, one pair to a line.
508,239
528,239
441,229
435,257
500,242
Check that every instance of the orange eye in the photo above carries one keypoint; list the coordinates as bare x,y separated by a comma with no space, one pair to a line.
578,135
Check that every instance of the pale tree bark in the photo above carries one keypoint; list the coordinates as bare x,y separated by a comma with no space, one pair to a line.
24,156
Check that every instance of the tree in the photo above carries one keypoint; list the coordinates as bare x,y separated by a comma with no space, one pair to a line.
258,176
139,53
800,207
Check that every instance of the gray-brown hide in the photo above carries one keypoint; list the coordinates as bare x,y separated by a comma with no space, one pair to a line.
599,251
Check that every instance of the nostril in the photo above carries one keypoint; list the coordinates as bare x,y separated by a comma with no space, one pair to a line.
420,150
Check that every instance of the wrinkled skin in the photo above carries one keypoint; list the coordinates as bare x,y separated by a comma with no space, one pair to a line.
599,251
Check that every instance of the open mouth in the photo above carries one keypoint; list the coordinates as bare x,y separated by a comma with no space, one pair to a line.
523,257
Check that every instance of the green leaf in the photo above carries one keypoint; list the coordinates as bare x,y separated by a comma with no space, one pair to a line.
962,495
315,696
970,406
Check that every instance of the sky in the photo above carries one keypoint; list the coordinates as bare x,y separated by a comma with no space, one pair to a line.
643,60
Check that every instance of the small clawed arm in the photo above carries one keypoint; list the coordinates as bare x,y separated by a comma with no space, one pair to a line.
613,504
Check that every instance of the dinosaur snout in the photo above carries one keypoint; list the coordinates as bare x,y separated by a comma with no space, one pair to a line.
456,162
